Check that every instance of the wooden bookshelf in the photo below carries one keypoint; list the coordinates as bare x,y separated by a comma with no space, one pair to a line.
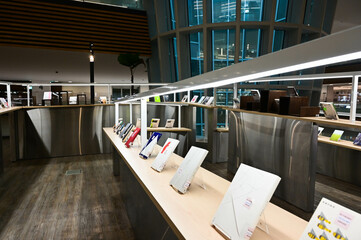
341,143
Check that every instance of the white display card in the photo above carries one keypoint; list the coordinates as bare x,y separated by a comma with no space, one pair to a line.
47,96
333,221
201,100
246,198
169,123
210,101
194,99
164,154
188,168
154,123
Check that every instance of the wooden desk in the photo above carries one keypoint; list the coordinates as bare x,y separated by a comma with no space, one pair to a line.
190,215
173,129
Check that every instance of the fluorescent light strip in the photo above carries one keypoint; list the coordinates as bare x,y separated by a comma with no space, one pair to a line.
312,64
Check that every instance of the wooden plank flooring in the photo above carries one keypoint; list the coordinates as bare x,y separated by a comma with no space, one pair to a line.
38,201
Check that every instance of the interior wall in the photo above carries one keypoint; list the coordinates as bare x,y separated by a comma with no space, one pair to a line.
45,65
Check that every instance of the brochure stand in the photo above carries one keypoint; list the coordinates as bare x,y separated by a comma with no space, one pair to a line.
262,224
200,180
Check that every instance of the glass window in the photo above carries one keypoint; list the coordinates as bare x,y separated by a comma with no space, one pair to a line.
200,124
136,4
175,56
281,10
251,10
223,11
224,98
313,14
172,16
195,12
278,36
249,44
223,48
196,53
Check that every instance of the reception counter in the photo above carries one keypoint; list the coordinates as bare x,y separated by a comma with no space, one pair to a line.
189,215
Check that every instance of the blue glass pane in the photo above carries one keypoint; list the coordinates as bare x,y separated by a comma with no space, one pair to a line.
249,44
223,11
278,36
196,53
251,10
223,48
195,12
281,10
199,115
313,14
172,16
175,57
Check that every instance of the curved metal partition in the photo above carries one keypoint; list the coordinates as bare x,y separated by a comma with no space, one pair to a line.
63,131
278,145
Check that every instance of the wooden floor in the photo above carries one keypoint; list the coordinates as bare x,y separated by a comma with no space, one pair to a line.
343,193
38,201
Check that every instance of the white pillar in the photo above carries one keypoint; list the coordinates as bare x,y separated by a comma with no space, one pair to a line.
226,118
8,92
189,96
143,120
109,95
214,96
235,90
354,98
179,116
116,112
28,94
130,112
174,97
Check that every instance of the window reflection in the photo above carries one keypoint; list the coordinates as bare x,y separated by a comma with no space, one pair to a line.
251,10
223,48
249,44
175,56
196,52
278,36
195,12
281,10
136,4
172,16
223,11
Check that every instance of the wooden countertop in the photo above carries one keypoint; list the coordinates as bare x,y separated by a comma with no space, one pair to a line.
190,215
11,109
173,129
222,130
341,143
67,106
319,120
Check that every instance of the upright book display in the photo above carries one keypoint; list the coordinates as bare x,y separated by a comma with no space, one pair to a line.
188,168
164,154
244,202
333,221
148,148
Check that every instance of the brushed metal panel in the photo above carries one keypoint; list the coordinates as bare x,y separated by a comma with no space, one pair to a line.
340,163
278,145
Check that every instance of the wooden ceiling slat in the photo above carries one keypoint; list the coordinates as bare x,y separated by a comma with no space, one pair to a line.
72,41
79,21
78,10
71,26
72,29
73,34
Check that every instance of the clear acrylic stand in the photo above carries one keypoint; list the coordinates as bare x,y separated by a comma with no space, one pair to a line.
262,224
200,180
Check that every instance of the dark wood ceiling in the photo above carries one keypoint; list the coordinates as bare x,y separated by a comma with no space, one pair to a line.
72,25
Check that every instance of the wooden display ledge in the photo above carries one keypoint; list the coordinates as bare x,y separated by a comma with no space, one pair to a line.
318,120
199,105
173,129
341,143
190,215
11,109
67,106
222,130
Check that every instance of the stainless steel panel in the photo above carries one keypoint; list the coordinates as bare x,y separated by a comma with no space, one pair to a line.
56,132
340,163
220,149
278,145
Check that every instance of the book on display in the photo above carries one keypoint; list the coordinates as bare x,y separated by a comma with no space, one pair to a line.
357,140
119,123
201,100
149,146
205,100
210,101
329,110
185,98
246,198
132,137
119,129
320,130
47,95
127,133
125,129
169,123
157,99
138,123
183,177
336,135
333,221
194,99
4,103
164,154
154,123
